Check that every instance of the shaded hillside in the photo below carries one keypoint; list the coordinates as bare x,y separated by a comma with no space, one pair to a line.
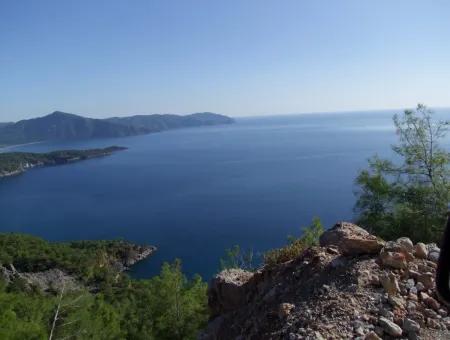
157,122
63,126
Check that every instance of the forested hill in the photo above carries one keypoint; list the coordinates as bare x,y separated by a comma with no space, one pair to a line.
14,163
62,126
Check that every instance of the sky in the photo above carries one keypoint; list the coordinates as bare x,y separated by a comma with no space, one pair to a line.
236,57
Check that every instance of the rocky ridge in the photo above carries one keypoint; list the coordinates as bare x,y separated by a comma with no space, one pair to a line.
353,285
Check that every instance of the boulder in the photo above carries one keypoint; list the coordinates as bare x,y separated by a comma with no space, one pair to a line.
351,239
394,260
410,326
420,251
227,291
405,244
390,327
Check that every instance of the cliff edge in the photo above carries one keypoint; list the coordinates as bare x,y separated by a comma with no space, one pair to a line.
353,285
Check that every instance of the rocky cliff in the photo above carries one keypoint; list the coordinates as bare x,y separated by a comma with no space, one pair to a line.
353,285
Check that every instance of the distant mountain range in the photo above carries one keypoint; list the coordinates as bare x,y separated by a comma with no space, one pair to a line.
62,126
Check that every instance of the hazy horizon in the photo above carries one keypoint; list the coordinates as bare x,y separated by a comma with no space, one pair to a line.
362,111
235,58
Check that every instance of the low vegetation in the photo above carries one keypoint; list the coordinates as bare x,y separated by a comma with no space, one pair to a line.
296,246
408,197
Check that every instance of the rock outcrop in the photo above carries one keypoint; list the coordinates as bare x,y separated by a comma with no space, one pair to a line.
351,239
352,286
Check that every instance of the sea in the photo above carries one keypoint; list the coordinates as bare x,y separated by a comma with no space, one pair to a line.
196,192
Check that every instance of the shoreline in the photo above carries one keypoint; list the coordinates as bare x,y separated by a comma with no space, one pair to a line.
53,158
6,147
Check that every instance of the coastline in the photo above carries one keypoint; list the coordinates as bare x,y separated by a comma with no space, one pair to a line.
11,146
33,160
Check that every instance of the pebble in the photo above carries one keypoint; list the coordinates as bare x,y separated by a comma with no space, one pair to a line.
372,336
442,312
427,279
430,313
284,309
433,323
413,296
390,284
431,302
359,331
413,273
420,286
396,301
410,283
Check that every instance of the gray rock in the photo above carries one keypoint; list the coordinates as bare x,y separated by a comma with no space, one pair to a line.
406,244
433,256
227,290
410,326
359,331
410,283
420,287
390,327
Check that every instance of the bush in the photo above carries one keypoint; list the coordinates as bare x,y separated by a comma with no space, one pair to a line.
296,246
237,258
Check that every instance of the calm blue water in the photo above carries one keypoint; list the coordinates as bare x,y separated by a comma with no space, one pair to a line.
195,192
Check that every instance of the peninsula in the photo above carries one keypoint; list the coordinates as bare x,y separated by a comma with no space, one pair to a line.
15,163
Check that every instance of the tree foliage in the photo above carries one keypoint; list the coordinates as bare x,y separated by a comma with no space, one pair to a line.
408,197
109,305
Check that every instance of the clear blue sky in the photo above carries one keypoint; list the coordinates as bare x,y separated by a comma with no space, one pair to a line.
243,57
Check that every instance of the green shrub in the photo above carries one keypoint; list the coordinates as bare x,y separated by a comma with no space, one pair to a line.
237,258
296,246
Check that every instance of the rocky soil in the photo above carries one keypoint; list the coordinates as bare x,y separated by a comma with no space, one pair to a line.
352,286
